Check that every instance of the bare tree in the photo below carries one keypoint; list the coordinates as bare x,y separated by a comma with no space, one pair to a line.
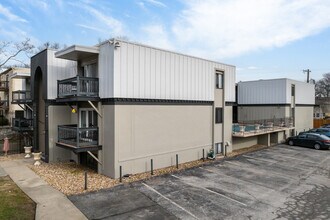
9,51
322,87
49,45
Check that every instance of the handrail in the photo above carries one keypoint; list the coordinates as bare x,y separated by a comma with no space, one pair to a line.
76,136
21,95
78,86
22,123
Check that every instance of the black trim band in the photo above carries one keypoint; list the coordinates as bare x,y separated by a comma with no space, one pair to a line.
305,105
252,105
231,103
130,101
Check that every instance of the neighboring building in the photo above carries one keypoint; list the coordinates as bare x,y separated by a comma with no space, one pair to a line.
13,81
321,111
133,103
322,107
269,111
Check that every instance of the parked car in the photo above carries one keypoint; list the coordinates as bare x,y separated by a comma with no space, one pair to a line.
324,131
325,126
318,141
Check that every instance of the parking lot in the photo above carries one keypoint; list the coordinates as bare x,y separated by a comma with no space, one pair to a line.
281,182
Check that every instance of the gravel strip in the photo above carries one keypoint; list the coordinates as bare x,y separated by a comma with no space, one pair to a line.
68,178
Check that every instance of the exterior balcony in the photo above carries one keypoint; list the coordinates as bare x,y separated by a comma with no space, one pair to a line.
21,97
4,105
78,89
4,85
78,139
22,124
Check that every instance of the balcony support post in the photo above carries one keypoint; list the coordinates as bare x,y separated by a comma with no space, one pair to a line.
92,155
94,107
29,107
22,107
78,86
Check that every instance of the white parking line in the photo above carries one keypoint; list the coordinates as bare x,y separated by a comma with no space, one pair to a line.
211,191
177,205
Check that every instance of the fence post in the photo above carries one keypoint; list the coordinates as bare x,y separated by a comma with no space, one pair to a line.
177,161
85,180
120,174
203,154
152,167
78,86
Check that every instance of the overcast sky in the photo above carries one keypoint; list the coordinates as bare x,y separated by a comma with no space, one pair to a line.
262,38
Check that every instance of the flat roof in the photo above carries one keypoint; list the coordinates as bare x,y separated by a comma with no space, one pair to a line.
77,52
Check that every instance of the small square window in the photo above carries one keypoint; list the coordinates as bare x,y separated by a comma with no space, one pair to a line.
218,115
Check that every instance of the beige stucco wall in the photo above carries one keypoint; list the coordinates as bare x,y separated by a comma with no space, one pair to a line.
228,119
218,103
303,118
14,85
108,155
239,142
158,132
59,115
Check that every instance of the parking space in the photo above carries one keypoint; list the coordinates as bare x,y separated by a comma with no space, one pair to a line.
278,182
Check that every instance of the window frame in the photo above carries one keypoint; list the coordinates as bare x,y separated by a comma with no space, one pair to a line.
219,75
219,115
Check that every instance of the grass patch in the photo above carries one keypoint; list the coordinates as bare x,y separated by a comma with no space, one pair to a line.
14,203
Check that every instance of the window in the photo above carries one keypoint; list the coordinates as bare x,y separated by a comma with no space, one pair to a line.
218,148
218,115
302,136
292,90
312,137
219,80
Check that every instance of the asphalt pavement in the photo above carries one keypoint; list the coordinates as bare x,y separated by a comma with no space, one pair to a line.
281,182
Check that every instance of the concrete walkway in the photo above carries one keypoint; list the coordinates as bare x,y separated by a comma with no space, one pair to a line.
51,204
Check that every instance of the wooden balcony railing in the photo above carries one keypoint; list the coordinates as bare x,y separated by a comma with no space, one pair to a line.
21,96
78,87
78,137
22,124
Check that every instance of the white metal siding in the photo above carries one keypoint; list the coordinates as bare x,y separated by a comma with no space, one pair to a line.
305,92
275,91
149,73
262,92
58,69
106,68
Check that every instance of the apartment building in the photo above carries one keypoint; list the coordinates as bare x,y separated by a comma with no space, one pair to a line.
121,104
14,82
269,111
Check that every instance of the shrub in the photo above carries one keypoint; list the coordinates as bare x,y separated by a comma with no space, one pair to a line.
3,121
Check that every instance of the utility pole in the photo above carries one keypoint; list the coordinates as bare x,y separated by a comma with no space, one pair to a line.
307,71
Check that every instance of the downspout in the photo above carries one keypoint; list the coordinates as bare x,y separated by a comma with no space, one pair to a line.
213,124
223,114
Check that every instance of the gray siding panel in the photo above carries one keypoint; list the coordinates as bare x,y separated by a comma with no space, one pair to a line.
58,69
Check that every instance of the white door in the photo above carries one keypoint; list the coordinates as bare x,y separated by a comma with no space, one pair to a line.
88,118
